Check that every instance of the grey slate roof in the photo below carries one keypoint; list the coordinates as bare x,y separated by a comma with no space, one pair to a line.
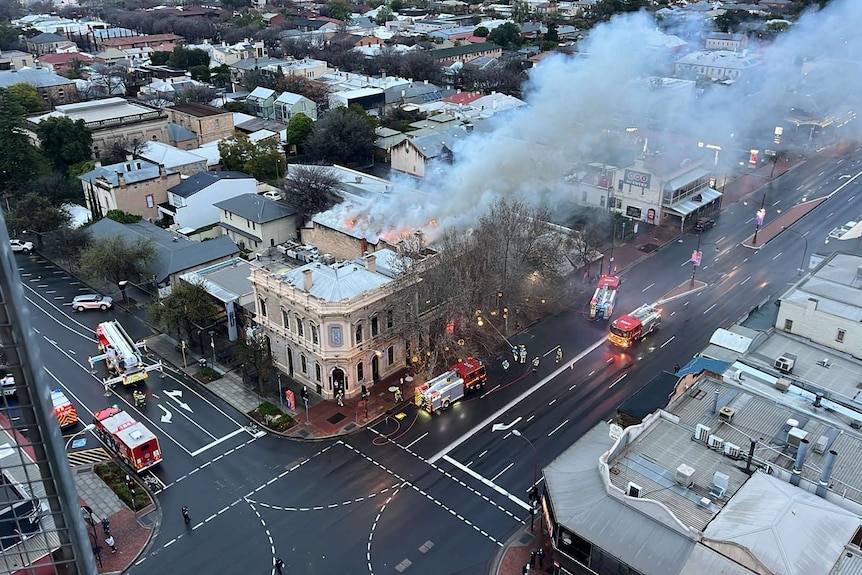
334,285
47,38
148,171
177,133
36,77
201,180
171,256
432,144
445,53
256,208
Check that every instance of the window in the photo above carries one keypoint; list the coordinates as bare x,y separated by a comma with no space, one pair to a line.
218,123
840,337
359,333
262,305
788,325
390,355
150,201
360,371
374,326
584,196
285,319
390,320
335,338
303,363
300,328
317,373
315,335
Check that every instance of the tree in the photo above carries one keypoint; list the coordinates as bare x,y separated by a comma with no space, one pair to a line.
75,69
185,58
120,148
317,92
106,80
27,96
188,306
583,246
200,73
399,118
160,58
117,258
220,76
299,128
256,355
66,142
65,244
507,35
34,213
311,189
122,217
236,151
396,5
239,107
340,10
384,15
520,11
196,94
341,135
56,187
421,65
20,160
235,4
481,32
259,78
267,162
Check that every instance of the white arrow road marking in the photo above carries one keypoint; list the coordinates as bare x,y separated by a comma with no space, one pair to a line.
166,418
176,395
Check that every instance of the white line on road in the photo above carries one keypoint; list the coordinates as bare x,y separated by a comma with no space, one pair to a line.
721,239
745,260
486,481
496,415
748,221
550,351
483,453
415,441
553,401
709,309
573,387
776,256
619,379
830,214
776,202
559,427
217,441
529,418
850,199
672,313
800,187
668,341
743,282
505,469
685,304
821,173
649,286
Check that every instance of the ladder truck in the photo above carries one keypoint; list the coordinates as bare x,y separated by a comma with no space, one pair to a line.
626,330
602,304
122,355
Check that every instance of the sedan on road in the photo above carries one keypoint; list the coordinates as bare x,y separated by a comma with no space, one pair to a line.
91,301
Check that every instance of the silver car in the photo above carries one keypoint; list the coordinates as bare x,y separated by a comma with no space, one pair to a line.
91,301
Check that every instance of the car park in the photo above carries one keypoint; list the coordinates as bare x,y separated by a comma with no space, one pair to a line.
92,301
19,246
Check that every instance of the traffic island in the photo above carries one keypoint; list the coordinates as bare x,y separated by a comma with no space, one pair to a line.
683,290
771,230
271,417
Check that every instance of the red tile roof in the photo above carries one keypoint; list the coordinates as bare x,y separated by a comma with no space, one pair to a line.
56,59
462,98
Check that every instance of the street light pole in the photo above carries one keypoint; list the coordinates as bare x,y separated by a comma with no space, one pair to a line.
801,269
759,217
532,490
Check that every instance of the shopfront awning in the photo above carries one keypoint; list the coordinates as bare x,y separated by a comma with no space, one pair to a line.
695,202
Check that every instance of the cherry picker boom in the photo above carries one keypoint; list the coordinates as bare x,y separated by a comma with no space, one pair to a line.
122,355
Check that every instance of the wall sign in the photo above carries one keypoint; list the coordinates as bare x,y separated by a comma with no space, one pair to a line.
639,179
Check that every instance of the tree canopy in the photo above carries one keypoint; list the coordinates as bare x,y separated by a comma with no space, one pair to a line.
27,96
263,160
188,305
507,35
299,128
20,160
66,142
35,213
341,135
115,259
310,189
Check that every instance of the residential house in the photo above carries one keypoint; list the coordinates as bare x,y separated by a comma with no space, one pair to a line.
55,90
151,41
231,54
320,25
135,186
725,41
261,102
418,92
15,60
367,98
110,56
467,52
287,104
162,93
272,18
173,158
386,139
174,255
62,63
348,41
207,122
716,65
114,120
256,223
419,155
190,203
45,43
429,25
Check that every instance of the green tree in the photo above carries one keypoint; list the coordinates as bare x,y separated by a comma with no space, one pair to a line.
235,107
481,32
396,5
35,213
185,58
299,128
341,135
65,244
311,189
117,258
122,217
66,142
267,162
75,69
340,10
507,35
255,354
520,11
384,15
188,305
27,96
552,35
236,151
200,73
220,76
160,58
235,4
20,160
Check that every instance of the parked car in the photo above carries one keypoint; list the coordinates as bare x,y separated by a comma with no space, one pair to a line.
91,301
703,224
19,246
7,385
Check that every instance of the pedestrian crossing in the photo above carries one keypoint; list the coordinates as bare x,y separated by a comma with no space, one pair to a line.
88,456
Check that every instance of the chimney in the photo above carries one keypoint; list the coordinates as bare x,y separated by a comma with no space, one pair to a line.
129,157
98,164
801,451
750,454
812,304
715,402
363,246
307,280
162,172
823,486
371,263
121,180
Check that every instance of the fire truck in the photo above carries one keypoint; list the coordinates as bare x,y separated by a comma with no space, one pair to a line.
122,355
441,392
129,439
64,411
626,330
602,304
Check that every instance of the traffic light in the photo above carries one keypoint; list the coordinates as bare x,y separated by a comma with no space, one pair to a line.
304,393
534,495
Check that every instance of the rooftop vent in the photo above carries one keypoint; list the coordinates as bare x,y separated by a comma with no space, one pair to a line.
633,490
685,475
726,413
782,384
795,436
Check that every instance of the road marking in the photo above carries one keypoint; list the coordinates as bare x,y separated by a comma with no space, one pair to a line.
496,415
573,387
745,281
217,441
685,304
821,173
167,415
88,456
619,379
176,395
490,391
777,256
553,401
550,351
709,309
529,418
483,453
649,286
502,472
851,199
801,186
748,221
415,441
668,341
560,426
487,482
830,215
776,202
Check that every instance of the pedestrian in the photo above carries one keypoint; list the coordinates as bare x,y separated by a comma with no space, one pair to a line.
505,365
106,525
515,353
533,555
676,368
279,564
559,354
186,516
527,569
523,353
402,381
541,558
111,543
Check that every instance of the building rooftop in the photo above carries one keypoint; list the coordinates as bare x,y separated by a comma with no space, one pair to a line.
719,59
447,53
36,77
227,281
177,133
199,110
256,208
108,109
431,145
47,38
336,282
202,180
836,285
261,93
133,171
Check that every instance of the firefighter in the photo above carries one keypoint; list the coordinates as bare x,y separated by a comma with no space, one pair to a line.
523,353
559,354
398,396
505,365
515,353
140,398
535,364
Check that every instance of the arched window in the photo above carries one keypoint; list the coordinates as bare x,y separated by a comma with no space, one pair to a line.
358,333
315,335
374,326
360,371
300,328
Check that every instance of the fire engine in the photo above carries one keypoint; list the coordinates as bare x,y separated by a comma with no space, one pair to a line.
121,354
63,409
628,329
441,392
129,439
602,304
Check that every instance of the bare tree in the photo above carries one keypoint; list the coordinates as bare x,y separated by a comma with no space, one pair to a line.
196,94
118,149
311,189
108,80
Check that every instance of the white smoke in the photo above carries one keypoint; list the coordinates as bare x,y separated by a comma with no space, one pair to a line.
572,101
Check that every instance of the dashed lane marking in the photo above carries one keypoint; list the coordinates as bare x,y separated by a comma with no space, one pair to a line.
331,505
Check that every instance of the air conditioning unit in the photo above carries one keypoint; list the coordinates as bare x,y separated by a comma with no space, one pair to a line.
281,249
821,444
795,436
785,363
782,384
701,432
633,489
684,474
715,442
726,413
732,450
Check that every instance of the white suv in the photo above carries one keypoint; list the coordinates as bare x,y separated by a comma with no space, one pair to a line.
19,246
91,301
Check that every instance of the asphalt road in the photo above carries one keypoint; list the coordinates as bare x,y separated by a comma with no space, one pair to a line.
426,494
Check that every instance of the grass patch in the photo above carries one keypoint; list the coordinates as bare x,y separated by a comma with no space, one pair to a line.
207,375
270,416
114,477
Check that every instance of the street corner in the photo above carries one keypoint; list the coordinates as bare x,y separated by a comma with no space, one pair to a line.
682,290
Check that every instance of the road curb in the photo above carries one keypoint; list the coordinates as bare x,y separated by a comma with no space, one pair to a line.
507,546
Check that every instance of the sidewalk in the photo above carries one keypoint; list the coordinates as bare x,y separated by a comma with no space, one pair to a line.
512,559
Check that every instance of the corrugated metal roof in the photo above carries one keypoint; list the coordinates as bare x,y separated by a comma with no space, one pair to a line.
730,340
334,284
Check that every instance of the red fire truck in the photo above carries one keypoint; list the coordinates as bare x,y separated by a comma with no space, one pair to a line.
122,355
626,330
602,304
63,409
129,439
441,392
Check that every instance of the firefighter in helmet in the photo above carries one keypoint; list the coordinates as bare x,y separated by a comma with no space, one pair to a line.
535,364
140,398
559,354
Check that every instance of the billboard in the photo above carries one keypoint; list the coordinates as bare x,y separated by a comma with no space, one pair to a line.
635,178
